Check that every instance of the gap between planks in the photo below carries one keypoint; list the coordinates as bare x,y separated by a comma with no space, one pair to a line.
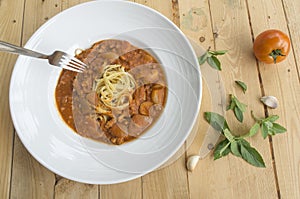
291,39
265,109
282,19
14,131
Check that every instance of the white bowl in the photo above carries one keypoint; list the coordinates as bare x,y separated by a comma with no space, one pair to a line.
53,143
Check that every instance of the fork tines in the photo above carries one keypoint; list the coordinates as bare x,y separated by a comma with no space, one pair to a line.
72,63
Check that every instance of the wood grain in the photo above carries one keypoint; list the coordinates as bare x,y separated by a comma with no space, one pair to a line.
292,10
69,3
30,179
10,31
127,190
231,25
164,7
168,182
228,26
281,80
67,189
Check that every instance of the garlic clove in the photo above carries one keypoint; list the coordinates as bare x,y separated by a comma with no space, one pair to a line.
269,101
192,162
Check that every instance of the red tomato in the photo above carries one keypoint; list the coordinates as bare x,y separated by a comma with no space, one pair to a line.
271,46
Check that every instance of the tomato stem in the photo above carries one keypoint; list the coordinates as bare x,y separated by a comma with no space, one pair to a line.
275,53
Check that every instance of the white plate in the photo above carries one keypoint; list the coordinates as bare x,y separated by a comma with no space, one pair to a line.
53,143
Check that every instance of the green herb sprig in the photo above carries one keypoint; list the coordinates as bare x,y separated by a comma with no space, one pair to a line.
268,125
211,58
237,107
235,145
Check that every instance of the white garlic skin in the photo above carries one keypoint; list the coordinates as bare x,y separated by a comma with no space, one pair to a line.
270,101
192,162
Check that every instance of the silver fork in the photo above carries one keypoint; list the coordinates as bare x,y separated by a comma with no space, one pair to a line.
58,58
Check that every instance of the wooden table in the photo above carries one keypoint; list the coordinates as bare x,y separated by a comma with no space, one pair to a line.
226,24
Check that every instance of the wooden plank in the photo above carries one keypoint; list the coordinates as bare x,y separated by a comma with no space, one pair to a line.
232,31
69,3
37,13
127,190
165,7
229,177
171,181
30,179
65,189
195,22
11,14
282,81
292,10
168,182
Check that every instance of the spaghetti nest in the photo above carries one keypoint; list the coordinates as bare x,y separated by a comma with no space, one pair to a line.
115,87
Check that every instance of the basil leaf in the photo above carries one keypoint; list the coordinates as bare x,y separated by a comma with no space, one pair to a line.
222,149
253,130
277,128
202,59
243,142
272,118
264,130
238,114
234,147
268,124
218,52
241,106
228,107
271,132
242,85
237,107
250,155
214,62
216,120
231,105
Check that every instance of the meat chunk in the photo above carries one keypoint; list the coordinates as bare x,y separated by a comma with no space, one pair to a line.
155,110
145,107
141,121
110,123
138,124
116,131
77,87
83,105
140,95
157,96
133,107
152,77
89,128
117,141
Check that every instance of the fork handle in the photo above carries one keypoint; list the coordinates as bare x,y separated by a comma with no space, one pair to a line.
7,47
